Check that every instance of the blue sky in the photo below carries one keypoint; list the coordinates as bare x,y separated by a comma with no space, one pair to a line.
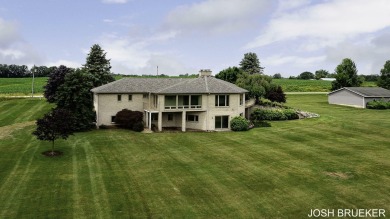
289,36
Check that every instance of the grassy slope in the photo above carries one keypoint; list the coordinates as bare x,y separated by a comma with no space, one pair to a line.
266,172
296,85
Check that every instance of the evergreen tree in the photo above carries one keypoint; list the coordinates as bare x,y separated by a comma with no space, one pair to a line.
98,66
346,75
384,79
251,64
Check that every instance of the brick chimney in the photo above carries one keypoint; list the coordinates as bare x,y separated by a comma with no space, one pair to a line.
204,72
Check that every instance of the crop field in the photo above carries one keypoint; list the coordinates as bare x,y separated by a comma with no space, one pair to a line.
337,161
21,86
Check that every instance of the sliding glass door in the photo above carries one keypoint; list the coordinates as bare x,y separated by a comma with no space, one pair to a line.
222,122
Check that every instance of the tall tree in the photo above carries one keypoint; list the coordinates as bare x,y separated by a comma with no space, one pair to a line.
256,84
251,64
384,79
98,66
230,74
277,76
54,125
56,79
346,75
75,95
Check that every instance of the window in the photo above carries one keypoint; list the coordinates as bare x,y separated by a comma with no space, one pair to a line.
119,97
145,96
192,118
241,99
222,122
221,100
113,119
154,117
130,97
170,117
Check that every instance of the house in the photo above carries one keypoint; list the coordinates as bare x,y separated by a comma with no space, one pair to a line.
203,103
357,96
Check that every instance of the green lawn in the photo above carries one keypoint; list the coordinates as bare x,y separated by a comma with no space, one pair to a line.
340,160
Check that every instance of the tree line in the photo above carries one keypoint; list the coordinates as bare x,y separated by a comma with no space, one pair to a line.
22,71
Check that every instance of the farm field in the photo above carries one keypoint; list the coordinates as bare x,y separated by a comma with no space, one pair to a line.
339,160
22,86
296,85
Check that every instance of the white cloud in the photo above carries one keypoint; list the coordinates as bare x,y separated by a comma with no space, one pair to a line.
215,15
13,49
135,56
8,32
114,1
329,22
67,63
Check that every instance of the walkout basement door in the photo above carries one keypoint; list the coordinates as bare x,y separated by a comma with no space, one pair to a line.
222,122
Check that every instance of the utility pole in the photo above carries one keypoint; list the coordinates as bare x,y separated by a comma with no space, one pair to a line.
32,85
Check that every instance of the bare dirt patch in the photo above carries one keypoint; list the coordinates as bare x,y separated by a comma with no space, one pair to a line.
52,153
338,175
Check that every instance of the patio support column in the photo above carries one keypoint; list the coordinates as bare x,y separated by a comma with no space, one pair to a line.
150,120
160,121
146,119
183,121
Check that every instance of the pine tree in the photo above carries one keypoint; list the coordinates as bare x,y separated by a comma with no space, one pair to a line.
98,66
251,64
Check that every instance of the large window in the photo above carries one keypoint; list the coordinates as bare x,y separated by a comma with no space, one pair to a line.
222,122
130,97
119,97
221,100
170,117
241,99
192,118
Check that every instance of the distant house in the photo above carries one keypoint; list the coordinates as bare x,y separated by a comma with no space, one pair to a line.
357,96
327,79
203,103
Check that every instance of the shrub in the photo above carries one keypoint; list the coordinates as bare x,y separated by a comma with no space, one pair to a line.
127,118
378,104
103,127
291,114
274,114
138,126
239,123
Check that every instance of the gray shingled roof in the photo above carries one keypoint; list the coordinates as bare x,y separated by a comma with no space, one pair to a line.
367,91
169,86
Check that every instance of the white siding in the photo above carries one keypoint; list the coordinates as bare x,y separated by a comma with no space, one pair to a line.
345,97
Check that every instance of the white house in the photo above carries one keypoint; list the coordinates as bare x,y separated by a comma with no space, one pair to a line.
357,96
203,103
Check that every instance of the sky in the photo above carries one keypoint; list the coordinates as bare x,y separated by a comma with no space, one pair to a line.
288,36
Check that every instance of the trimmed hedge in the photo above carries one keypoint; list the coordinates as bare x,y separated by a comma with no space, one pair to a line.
239,123
274,114
378,104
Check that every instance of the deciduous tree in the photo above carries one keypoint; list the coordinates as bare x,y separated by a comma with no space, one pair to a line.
230,74
56,79
346,75
256,84
54,125
384,79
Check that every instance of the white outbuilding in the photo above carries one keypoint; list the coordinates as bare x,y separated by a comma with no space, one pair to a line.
358,96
